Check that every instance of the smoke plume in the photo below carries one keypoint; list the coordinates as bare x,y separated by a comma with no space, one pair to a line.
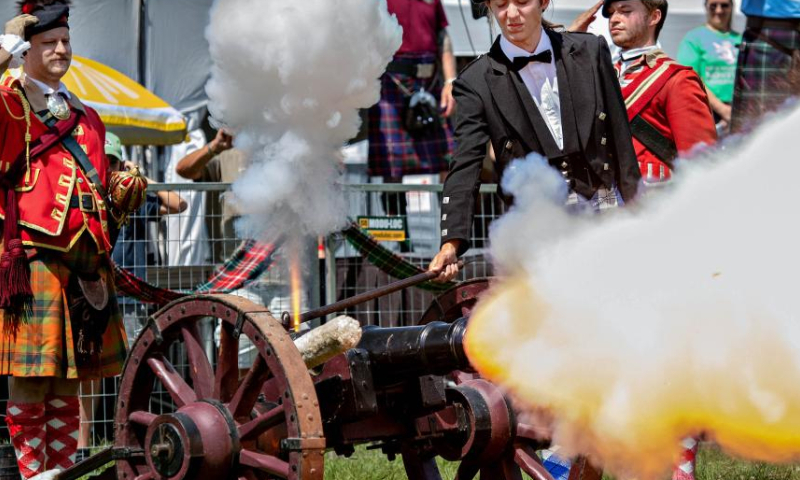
629,331
287,79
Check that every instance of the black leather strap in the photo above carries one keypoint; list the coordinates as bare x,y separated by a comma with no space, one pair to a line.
661,146
78,154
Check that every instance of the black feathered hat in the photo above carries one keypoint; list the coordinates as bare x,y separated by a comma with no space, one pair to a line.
51,14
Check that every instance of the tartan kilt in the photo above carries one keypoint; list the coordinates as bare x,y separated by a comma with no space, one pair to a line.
392,151
43,346
763,74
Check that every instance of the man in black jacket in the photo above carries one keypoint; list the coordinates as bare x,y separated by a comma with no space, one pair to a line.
537,90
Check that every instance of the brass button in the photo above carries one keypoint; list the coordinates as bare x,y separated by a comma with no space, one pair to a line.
603,141
606,166
564,164
509,145
602,116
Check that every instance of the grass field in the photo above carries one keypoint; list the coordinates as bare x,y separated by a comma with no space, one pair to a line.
712,465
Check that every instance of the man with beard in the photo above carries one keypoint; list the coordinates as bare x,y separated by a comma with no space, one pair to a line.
61,322
667,103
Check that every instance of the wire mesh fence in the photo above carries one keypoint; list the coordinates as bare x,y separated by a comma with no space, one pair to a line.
181,250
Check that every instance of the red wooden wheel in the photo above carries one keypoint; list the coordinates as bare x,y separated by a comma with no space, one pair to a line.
217,423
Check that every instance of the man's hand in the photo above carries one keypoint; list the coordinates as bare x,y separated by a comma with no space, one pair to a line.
446,261
581,24
223,141
447,102
16,26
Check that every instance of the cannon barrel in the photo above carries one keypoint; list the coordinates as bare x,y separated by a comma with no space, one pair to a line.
399,352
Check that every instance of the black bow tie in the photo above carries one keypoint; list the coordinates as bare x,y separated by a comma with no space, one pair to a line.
520,62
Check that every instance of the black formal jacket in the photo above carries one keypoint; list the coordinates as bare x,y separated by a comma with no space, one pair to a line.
494,105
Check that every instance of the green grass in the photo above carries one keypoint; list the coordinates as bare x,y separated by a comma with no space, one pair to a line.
712,465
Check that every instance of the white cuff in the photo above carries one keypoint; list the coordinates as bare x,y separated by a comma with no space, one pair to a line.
16,46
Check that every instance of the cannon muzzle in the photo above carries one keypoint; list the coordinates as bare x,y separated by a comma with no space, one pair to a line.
399,352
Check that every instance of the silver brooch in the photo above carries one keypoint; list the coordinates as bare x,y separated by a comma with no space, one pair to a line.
58,106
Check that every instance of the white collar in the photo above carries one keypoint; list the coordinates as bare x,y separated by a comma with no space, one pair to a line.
628,55
512,51
48,90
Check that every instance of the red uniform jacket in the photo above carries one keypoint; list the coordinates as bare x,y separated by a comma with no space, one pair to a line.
53,177
679,110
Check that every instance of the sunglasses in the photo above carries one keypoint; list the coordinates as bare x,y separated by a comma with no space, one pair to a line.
714,6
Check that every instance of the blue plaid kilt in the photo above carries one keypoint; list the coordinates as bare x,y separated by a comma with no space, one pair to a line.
392,151
767,72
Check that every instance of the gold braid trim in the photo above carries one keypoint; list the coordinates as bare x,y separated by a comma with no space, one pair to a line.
26,115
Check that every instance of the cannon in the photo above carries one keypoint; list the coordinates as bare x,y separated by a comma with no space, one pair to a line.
408,391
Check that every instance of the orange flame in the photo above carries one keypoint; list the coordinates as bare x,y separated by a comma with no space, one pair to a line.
296,286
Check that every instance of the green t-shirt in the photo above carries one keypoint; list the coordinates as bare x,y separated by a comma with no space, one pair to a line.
713,56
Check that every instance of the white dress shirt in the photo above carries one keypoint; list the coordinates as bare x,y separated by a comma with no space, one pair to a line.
542,82
626,58
48,90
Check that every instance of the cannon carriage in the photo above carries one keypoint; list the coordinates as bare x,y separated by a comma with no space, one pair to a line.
408,391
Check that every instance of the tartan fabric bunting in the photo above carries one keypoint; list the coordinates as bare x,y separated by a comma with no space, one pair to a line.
386,260
247,263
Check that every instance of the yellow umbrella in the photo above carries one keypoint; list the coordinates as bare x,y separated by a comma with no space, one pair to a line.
128,109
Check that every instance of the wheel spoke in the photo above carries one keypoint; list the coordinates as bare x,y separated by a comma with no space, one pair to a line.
142,418
267,463
146,476
246,395
529,462
261,423
199,366
226,378
467,471
178,389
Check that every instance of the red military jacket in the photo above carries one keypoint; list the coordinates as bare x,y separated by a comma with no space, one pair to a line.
44,192
678,108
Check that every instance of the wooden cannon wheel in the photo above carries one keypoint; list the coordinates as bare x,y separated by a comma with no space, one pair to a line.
217,423
519,454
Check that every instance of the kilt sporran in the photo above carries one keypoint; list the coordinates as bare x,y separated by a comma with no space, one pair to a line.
89,310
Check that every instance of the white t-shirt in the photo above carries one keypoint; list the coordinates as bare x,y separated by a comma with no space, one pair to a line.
187,238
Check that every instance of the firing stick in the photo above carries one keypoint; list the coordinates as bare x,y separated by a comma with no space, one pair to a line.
371,295
326,341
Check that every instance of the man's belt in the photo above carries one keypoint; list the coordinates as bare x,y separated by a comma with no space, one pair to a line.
84,201
419,70
779,23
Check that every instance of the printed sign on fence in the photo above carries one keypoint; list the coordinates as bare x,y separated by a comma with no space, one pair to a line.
384,229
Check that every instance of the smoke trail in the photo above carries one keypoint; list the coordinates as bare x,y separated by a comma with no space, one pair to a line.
678,316
287,78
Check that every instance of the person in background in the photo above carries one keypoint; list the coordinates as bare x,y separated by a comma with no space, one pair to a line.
130,250
217,161
711,50
423,68
768,71
62,323
667,105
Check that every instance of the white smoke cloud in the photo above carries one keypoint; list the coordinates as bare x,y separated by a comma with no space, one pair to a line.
287,78
678,315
